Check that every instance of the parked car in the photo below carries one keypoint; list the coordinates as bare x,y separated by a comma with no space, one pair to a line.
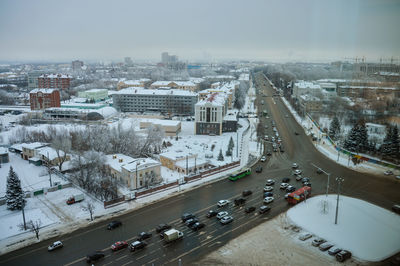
388,172
114,224
211,213
268,199
95,256
285,180
268,188
197,226
284,185
222,203
221,214
162,227
268,194
305,236
246,193
226,219
269,152
325,246
187,216
144,235
270,182
298,177
137,245
294,165
264,209
317,241
343,255
396,208
263,158
319,171
305,179
307,184
191,221
259,169
239,201
119,245
297,172
334,250
250,209
290,189
296,133
55,245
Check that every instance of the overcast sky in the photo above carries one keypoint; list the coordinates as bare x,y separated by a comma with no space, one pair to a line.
280,30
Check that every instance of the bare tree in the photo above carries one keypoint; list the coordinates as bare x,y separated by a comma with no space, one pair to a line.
62,144
89,207
33,226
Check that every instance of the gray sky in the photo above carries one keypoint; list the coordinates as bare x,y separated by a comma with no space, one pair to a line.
280,30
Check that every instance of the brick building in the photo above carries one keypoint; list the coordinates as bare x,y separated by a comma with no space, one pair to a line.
54,81
41,99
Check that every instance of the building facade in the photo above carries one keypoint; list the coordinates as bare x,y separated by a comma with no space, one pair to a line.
54,81
41,99
94,94
209,114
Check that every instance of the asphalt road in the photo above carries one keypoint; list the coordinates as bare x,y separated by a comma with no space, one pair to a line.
195,245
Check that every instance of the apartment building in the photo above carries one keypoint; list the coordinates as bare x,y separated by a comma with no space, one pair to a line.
94,94
54,81
181,85
41,99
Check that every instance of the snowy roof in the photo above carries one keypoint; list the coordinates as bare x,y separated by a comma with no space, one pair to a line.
215,99
306,85
196,80
105,111
185,83
161,83
114,160
176,155
54,76
307,97
3,150
17,146
142,91
34,145
161,122
327,85
191,163
367,87
140,163
132,82
97,90
49,152
374,125
45,91
231,115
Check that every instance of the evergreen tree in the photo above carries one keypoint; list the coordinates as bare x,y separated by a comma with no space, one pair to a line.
395,147
350,142
231,144
220,156
362,137
14,195
334,128
228,152
385,148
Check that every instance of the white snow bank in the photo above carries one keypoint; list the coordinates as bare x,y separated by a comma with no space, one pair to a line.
370,232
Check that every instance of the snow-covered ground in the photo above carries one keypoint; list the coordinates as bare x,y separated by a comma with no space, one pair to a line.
370,232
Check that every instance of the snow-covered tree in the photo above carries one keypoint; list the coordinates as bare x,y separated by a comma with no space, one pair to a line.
334,128
14,194
350,142
391,143
89,207
220,156
62,144
395,150
231,144
357,139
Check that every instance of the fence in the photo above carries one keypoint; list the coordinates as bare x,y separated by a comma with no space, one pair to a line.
113,202
212,171
353,155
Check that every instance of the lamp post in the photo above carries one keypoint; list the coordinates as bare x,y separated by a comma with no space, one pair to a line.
339,180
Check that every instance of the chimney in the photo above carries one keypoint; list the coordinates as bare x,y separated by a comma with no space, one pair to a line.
114,156
121,160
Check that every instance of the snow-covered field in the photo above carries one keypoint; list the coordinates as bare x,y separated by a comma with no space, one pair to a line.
370,232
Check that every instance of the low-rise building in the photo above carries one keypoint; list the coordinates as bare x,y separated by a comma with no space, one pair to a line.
30,150
305,87
4,155
94,94
170,158
170,127
138,83
310,104
49,155
182,85
209,114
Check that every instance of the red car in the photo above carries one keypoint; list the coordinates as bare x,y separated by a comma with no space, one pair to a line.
119,245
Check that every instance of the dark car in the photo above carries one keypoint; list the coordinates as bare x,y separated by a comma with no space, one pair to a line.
281,148
269,152
334,250
307,184
305,179
247,193
240,201
296,133
162,227
211,213
114,224
264,209
250,209
191,221
187,216
343,255
259,169
268,194
290,189
286,180
319,171
137,245
396,208
197,226
95,256
144,235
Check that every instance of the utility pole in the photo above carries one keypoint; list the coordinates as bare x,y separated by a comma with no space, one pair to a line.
136,178
48,167
23,214
237,143
339,180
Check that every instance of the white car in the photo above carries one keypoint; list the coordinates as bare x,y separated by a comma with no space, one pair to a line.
222,203
263,158
284,185
305,236
226,219
268,188
294,165
297,172
268,199
270,182
55,245
298,177
221,214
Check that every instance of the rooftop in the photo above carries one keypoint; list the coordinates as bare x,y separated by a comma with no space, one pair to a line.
140,163
45,91
142,91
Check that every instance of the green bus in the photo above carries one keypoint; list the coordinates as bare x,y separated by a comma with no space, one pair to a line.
238,175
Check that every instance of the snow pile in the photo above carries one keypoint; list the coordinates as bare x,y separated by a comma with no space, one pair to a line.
370,232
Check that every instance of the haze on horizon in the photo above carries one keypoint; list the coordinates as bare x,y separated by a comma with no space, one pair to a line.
289,30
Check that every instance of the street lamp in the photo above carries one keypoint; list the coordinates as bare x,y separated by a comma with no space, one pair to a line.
339,180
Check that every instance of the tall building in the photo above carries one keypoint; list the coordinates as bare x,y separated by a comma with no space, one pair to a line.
54,81
128,61
33,79
77,65
167,59
41,99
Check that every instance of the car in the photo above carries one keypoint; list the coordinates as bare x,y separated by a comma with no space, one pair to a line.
137,245
186,216
266,137
285,180
211,213
268,199
275,149
268,188
250,209
284,185
305,236
277,134
325,246
290,189
55,245
270,182
307,184
239,201
263,158
197,226
396,208
95,256
317,241
264,209
144,235
296,133
221,214
246,193
191,221
281,148
226,219
222,203
298,177
319,171
273,139
314,138
343,255
297,172
305,179
334,250
114,224
295,165
259,169
119,245
266,126
269,152
162,227
388,172
268,194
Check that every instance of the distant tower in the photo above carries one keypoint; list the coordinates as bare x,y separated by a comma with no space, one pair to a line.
128,61
165,58
77,65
